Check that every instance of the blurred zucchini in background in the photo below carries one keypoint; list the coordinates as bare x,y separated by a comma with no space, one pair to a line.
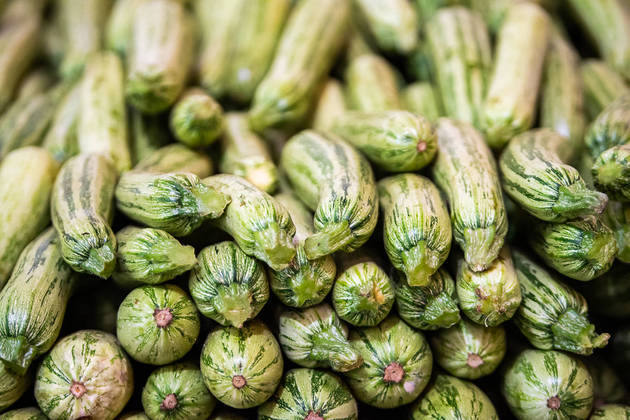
61,139
119,26
601,84
196,119
12,387
617,218
371,84
331,104
611,172
149,133
420,98
611,411
176,158
36,81
28,413
392,25
610,128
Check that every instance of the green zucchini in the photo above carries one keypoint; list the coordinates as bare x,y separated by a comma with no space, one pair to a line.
478,216
609,295
86,374
149,133
611,172
29,413
12,387
419,65
602,85
260,225
196,118
396,367
330,104
611,412
553,315
416,226
36,81
176,158
312,37
607,385
396,141
242,367
357,43
61,139
227,285
315,337
337,183
537,177
610,128
177,392
509,108
421,98
371,84
392,25
548,385
118,29
82,210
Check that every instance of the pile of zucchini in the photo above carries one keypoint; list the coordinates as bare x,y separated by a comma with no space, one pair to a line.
314,209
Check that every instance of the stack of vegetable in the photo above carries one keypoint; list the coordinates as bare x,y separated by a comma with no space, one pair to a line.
314,209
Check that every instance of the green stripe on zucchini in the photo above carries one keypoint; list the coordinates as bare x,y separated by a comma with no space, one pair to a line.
602,85
196,118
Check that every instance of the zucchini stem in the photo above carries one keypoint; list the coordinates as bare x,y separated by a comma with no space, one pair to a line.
169,403
17,353
332,347
442,311
333,237
576,201
572,332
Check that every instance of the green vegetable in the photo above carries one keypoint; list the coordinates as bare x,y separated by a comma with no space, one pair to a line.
609,295
12,387
419,64
421,98
331,103
610,128
371,84
30,413
196,118
176,158
61,139
601,84
617,218
36,81
607,385
611,172
392,25
611,412
118,29
150,133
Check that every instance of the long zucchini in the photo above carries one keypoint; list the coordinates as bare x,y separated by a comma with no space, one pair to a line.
602,85
118,29
420,98
331,103
371,84
391,24
61,139
176,158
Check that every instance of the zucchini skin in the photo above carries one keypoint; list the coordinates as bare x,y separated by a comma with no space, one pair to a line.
371,84
61,139
478,214
537,177
337,183
611,411
610,128
81,212
12,387
617,218
28,413
176,158
421,98
601,84
416,226
392,25
330,104
118,29
35,81
196,119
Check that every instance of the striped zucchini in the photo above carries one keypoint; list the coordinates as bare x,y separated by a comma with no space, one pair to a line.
610,128
461,55
260,225
176,158
468,350
29,413
337,183
553,315
396,367
607,385
86,374
227,285
177,392
330,104
34,82
392,25
196,118
309,394
537,177
149,133
160,55
12,387
478,216
118,29
27,176
611,172
371,84
312,37
548,385
247,155
304,282
611,412
420,98
509,108
242,367
61,139
602,85
609,295
396,141
315,337
82,210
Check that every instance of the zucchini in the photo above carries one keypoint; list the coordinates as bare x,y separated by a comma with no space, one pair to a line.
602,85
36,81
611,172
29,413
149,133
118,29
371,84
337,183
330,104
396,141
610,128
61,139
196,119
478,216
420,98
392,25
82,210
509,108
419,65
611,412
609,295
396,367
227,285
176,158
12,387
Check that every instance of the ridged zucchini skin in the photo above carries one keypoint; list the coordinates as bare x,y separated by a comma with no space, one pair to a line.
611,412
148,133
537,177
553,315
86,374
238,42
29,413
478,216
118,29
176,158
28,175
12,387
313,35
611,172
242,367
330,104
392,25
81,211
371,84
177,392
337,183
245,154
396,141
196,119
159,56
509,108
261,226
397,364
601,84
315,337
421,98
468,350
610,128
61,139
310,392
461,55
548,385
227,285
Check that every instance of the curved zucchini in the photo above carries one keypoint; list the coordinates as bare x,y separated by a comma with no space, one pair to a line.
371,84
610,128
601,84
12,387
391,24
330,104
420,98
617,218
196,118
61,139
176,158
148,134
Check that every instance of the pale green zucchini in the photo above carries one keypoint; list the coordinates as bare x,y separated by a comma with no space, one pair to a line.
356,44
119,26
617,218
610,128
196,118
601,84
61,139
611,172
391,24
611,412
420,98
12,387
371,84
176,158
148,133
29,413
331,104
36,81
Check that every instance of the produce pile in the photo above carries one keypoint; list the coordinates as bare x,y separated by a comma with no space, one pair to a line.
314,209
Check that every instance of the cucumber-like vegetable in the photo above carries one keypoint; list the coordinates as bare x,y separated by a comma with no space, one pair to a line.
242,367
396,141
61,139
461,55
260,225
548,385
36,81
304,282
160,55
392,25
477,211
356,44
416,226
610,128
27,177
420,98
315,337
611,172
537,177
312,37
149,133
227,285
371,84
611,412
118,29
29,413
509,108
336,182
607,385
247,155
331,103
176,158
177,392
12,387
196,118
82,209
601,84
553,315
609,295
396,367
86,374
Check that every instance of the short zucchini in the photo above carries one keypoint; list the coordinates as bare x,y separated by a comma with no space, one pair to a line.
196,119
176,158
392,25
